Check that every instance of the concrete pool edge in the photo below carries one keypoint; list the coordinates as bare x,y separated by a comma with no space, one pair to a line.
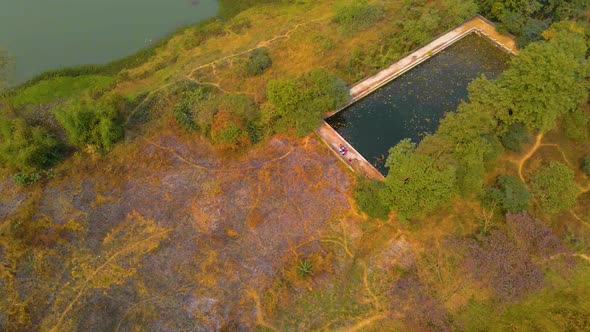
478,24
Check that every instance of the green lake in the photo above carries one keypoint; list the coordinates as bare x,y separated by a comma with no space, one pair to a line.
413,104
50,34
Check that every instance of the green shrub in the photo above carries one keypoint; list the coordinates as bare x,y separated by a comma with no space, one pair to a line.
229,131
510,195
301,103
304,268
258,62
576,125
357,16
24,179
97,124
369,199
516,135
27,148
586,165
196,109
555,188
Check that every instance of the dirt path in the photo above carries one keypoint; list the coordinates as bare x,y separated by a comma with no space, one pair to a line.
211,64
528,155
108,261
364,323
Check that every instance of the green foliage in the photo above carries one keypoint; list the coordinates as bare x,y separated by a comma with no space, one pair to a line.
24,179
586,166
546,81
196,109
229,131
555,188
516,135
96,124
229,120
258,62
415,183
357,16
304,268
576,125
419,25
369,198
527,19
27,148
301,103
510,195
49,90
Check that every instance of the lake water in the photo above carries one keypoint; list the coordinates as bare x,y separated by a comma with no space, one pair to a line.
50,34
413,104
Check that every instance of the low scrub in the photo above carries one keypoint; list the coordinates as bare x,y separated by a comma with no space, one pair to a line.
301,103
357,16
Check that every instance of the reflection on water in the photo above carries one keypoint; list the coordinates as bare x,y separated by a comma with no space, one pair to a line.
413,104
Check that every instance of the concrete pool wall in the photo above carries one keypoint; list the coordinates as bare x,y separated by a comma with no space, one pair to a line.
333,139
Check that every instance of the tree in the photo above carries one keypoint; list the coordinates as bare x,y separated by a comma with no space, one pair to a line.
415,184
96,124
555,187
547,80
301,103
27,148
258,62
469,133
516,135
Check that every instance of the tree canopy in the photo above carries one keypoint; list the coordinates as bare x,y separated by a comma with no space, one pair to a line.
547,80
415,183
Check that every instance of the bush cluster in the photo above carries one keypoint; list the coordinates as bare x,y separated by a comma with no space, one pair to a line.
27,148
230,121
258,62
91,123
510,195
301,103
357,16
368,197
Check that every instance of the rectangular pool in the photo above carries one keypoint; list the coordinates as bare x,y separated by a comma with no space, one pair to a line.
412,105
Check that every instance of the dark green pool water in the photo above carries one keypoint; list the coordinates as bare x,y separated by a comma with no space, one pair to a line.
413,104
